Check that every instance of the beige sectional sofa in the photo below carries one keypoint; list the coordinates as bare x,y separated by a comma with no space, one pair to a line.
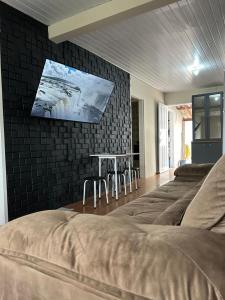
147,208
134,253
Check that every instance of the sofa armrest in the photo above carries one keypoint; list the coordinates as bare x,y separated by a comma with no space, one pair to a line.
191,170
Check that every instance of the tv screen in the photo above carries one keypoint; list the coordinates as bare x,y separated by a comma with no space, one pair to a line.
69,94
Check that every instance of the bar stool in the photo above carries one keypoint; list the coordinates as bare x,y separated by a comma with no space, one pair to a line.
95,179
135,172
119,174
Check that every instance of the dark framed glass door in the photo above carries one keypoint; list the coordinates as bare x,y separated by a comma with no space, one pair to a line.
207,116
214,116
199,117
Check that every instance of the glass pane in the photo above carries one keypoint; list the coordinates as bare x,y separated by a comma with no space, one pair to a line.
199,118
215,116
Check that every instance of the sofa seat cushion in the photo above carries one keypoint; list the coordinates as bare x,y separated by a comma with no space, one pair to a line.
148,207
207,209
172,190
143,210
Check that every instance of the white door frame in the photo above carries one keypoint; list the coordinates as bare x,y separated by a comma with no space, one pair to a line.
171,137
163,155
3,185
141,137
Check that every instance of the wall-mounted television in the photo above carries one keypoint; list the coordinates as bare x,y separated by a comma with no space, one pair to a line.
69,94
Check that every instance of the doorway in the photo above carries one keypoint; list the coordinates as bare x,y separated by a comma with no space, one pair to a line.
174,135
137,113
135,133
187,140
186,112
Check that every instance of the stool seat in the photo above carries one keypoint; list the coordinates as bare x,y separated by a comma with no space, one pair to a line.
94,178
132,168
113,172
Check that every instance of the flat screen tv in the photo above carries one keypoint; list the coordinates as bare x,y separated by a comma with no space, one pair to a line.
69,94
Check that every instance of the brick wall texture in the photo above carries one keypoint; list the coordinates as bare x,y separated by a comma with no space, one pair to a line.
46,160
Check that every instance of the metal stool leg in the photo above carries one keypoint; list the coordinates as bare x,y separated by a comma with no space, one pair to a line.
108,178
106,192
94,193
125,184
113,185
138,177
126,173
99,190
84,192
119,179
135,179
138,171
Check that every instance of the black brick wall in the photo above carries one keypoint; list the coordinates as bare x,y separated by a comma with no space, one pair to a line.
46,159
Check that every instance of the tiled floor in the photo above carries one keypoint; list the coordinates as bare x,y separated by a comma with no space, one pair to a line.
146,185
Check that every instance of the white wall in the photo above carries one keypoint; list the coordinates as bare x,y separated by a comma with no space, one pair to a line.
186,96
151,97
3,193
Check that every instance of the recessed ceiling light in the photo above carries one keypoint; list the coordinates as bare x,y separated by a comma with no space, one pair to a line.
196,67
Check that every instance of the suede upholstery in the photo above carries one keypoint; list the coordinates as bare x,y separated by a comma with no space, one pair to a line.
66,255
174,213
207,209
194,170
148,207
70,256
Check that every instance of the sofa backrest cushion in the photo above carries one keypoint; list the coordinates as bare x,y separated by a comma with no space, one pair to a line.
207,209
174,213
192,170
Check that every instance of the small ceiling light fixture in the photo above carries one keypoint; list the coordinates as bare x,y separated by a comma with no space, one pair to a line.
196,67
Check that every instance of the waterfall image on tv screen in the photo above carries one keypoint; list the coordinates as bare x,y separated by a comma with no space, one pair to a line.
69,94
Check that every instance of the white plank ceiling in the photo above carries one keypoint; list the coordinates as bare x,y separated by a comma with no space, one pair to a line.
157,47
51,11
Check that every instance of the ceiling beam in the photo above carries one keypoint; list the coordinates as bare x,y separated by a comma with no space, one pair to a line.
101,15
